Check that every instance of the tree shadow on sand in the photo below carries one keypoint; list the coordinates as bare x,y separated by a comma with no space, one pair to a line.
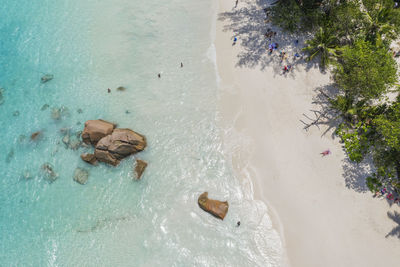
395,216
354,173
322,114
249,26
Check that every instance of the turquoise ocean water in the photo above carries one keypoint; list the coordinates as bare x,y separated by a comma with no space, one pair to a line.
90,46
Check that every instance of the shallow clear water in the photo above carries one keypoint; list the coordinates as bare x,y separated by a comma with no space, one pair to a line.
113,220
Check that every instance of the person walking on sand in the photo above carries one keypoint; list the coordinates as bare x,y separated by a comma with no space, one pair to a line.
325,153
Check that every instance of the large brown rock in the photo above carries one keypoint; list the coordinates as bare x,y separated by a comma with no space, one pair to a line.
106,157
89,158
139,168
95,130
120,144
214,207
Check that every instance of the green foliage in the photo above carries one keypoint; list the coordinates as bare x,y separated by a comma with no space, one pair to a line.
345,20
389,131
286,14
294,15
323,44
382,21
355,141
365,71
373,183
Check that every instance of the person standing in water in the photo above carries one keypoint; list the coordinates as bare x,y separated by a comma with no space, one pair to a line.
159,75
181,65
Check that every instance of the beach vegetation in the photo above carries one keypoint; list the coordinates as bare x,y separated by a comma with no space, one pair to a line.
364,71
353,37
382,20
323,44
296,15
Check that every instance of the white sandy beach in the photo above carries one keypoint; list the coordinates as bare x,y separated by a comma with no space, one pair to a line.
326,216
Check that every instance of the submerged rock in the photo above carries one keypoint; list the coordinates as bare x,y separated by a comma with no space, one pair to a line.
16,113
65,139
79,110
121,88
214,207
64,111
64,130
36,135
26,175
44,107
139,168
46,78
81,176
74,142
10,156
78,134
55,113
89,158
1,96
120,144
95,130
21,138
49,172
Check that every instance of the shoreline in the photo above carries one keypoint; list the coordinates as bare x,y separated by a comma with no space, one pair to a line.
314,202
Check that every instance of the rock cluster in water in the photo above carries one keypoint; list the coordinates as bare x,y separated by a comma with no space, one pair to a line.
215,207
112,144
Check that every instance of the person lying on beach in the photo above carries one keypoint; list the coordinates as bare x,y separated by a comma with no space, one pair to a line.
270,48
383,191
389,196
325,153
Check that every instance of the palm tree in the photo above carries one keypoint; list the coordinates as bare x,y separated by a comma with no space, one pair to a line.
382,20
323,44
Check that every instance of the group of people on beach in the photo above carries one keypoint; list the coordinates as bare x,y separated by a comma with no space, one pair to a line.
274,46
389,195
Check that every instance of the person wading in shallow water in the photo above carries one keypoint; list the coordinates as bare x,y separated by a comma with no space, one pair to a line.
109,90
159,75
181,65
238,224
